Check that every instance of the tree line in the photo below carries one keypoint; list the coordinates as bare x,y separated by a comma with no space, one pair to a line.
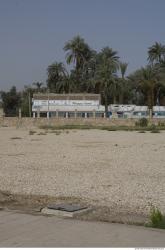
100,72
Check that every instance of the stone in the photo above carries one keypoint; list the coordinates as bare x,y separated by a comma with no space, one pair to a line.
66,207
65,210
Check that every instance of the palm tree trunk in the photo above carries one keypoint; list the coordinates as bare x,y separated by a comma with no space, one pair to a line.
151,101
121,98
114,99
121,95
106,105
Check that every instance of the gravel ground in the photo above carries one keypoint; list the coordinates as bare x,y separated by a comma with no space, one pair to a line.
124,171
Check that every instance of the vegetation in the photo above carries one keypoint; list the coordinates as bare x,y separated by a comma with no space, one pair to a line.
100,72
11,101
141,129
32,132
154,129
157,219
15,138
143,122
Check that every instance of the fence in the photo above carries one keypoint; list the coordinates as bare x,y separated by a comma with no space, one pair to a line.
31,122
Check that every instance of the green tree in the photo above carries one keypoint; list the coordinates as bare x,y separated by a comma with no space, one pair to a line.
106,68
38,86
11,101
156,53
26,99
88,73
148,81
78,53
57,73
122,81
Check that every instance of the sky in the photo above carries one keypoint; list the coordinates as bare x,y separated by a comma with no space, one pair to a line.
34,32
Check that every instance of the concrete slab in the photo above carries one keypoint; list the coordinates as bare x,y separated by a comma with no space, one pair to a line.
42,231
67,207
65,214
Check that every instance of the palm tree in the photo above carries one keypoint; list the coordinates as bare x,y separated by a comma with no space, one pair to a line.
56,74
106,67
122,80
156,53
66,85
88,73
38,85
110,55
148,80
78,52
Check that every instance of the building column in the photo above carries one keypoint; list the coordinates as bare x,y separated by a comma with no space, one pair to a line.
85,114
57,113
20,114
67,115
38,113
104,115
3,114
75,113
34,114
94,113
150,113
48,115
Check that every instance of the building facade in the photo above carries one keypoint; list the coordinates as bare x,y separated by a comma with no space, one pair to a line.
133,111
67,105
86,106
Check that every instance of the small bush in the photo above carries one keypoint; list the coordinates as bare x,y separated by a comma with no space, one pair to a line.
143,122
31,132
112,129
154,129
57,133
41,133
62,127
157,219
161,124
15,138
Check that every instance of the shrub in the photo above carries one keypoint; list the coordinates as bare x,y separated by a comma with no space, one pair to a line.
154,129
41,133
31,132
15,138
143,122
157,219
161,124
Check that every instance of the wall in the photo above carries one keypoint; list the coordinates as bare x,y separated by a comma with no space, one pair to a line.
1,112
31,122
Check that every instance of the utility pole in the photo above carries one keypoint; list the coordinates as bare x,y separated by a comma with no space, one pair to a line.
29,97
48,115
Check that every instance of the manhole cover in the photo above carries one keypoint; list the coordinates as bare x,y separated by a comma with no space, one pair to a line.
67,207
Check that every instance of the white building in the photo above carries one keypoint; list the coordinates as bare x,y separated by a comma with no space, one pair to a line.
67,105
133,111
86,105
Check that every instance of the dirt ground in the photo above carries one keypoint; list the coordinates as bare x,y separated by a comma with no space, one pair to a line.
120,174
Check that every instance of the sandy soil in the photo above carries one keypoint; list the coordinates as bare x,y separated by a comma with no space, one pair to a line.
124,171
